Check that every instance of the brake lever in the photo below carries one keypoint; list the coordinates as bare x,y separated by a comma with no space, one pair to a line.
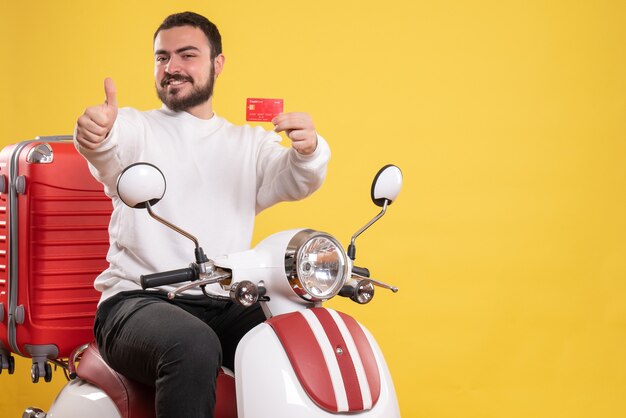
209,278
376,282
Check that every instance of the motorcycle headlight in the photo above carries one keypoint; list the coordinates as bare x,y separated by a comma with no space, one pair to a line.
316,265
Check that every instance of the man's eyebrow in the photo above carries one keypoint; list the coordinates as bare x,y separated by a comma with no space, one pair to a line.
178,51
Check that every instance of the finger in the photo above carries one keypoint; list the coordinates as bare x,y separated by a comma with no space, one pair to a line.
304,147
97,115
89,136
110,92
299,135
87,124
286,118
293,123
87,145
87,140
303,141
289,115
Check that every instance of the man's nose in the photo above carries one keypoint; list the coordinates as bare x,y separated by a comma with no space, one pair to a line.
173,65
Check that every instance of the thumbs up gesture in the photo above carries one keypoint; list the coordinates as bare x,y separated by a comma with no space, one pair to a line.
96,122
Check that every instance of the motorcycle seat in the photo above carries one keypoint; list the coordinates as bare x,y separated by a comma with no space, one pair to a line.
136,400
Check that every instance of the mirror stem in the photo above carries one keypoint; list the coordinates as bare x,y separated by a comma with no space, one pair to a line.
351,247
174,227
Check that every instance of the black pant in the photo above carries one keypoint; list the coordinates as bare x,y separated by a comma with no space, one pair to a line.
175,346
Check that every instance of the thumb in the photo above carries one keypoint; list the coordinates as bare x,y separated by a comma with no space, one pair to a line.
111,94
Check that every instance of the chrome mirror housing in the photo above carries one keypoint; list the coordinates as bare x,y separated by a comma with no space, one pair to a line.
140,185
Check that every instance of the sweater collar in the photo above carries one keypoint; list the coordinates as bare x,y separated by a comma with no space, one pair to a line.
210,124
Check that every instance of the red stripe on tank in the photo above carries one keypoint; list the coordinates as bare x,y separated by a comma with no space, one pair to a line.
367,355
344,359
306,358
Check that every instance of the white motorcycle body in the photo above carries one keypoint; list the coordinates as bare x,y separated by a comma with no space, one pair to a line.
267,384
82,399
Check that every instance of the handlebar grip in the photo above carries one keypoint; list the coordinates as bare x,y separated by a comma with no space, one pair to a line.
361,271
168,277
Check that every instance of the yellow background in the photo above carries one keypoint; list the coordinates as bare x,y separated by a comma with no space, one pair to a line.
508,241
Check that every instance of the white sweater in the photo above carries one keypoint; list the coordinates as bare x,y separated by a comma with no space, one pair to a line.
218,177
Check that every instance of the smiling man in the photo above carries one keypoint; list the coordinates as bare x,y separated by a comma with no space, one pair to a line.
218,177
185,69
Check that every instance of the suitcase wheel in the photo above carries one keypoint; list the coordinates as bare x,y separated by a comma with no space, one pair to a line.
9,364
36,372
48,376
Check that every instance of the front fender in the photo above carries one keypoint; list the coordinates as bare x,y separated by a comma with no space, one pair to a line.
268,385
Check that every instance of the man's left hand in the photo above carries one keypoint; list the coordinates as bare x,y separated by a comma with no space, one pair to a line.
300,129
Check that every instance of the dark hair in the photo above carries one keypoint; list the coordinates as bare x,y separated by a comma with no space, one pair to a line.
197,21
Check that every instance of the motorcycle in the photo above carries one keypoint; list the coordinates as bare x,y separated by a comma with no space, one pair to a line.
304,361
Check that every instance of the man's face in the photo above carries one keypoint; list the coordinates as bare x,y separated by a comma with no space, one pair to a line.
184,73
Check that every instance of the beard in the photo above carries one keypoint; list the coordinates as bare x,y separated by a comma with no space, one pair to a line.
198,95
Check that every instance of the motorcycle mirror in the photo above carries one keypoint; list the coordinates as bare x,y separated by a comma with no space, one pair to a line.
140,185
385,189
386,185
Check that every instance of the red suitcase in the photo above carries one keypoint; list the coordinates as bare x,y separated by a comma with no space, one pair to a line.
54,218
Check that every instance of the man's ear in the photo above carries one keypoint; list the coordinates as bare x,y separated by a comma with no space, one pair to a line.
219,64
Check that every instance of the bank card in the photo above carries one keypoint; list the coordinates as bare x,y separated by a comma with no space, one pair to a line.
263,110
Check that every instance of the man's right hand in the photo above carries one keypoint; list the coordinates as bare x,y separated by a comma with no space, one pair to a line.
95,124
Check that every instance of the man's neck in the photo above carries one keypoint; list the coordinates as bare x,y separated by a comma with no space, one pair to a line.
203,110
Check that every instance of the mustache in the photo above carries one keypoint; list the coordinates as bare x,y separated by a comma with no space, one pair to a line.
175,77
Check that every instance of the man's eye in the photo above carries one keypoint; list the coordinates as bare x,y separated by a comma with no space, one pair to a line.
188,56
161,59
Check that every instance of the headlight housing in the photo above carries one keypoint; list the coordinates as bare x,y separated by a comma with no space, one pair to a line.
316,265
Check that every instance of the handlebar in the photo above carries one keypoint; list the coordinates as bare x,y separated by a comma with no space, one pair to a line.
364,275
168,277
361,271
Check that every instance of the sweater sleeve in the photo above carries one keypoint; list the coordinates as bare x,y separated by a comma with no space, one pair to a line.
283,174
119,149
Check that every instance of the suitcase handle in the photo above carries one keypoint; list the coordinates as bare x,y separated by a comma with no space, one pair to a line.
53,138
